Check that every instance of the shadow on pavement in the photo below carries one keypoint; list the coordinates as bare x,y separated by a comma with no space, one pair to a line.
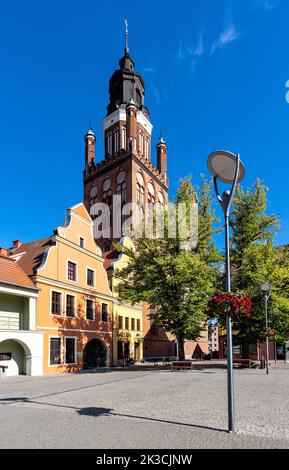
108,412
97,412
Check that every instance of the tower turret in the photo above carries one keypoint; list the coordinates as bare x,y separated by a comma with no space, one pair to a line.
131,125
162,157
89,147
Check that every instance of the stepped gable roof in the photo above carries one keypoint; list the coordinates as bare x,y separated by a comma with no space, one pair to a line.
29,256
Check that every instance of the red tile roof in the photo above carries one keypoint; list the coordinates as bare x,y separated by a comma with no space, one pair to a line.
31,254
11,273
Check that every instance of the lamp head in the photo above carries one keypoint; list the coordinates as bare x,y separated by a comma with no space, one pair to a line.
265,288
222,165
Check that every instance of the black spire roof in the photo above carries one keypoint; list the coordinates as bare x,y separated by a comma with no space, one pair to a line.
126,84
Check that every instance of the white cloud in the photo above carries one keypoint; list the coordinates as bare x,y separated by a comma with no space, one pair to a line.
200,50
155,93
193,66
149,69
266,5
270,4
226,37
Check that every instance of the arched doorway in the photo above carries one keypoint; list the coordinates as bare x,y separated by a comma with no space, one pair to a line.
95,354
16,356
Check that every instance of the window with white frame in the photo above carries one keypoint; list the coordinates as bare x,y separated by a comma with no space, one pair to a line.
56,302
55,351
70,305
90,309
104,312
90,277
70,349
71,271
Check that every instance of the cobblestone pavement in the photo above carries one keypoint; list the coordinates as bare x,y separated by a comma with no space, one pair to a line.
145,409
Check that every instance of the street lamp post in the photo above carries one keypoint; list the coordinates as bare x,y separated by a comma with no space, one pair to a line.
266,290
227,167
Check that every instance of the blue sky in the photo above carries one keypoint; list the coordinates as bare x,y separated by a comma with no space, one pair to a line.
215,74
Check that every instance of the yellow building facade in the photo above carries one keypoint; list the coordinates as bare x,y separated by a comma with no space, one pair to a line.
75,304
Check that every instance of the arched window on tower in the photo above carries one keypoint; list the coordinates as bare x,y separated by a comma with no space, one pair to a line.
147,147
140,198
92,200
109,143
121,186
121,190
141,143
116,141
161,199
139,189
107,198
151,194
123,138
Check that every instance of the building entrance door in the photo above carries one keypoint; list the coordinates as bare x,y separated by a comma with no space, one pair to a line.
94,354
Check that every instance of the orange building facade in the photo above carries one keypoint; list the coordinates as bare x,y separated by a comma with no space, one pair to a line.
75,304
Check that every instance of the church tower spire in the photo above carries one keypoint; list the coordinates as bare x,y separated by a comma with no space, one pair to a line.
126,48
126,62
127,170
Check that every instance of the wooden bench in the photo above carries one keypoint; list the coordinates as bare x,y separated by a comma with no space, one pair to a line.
182,365
158,360
244,363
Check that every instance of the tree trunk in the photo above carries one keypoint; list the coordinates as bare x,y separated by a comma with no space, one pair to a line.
181,349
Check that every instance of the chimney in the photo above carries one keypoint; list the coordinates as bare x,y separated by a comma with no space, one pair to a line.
17,243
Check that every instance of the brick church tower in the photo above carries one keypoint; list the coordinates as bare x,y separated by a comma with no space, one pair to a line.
127,169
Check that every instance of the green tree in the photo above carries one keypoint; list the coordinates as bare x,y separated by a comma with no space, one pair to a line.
255,260
250,223
175,281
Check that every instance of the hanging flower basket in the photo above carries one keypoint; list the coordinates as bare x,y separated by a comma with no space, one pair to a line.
235,304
